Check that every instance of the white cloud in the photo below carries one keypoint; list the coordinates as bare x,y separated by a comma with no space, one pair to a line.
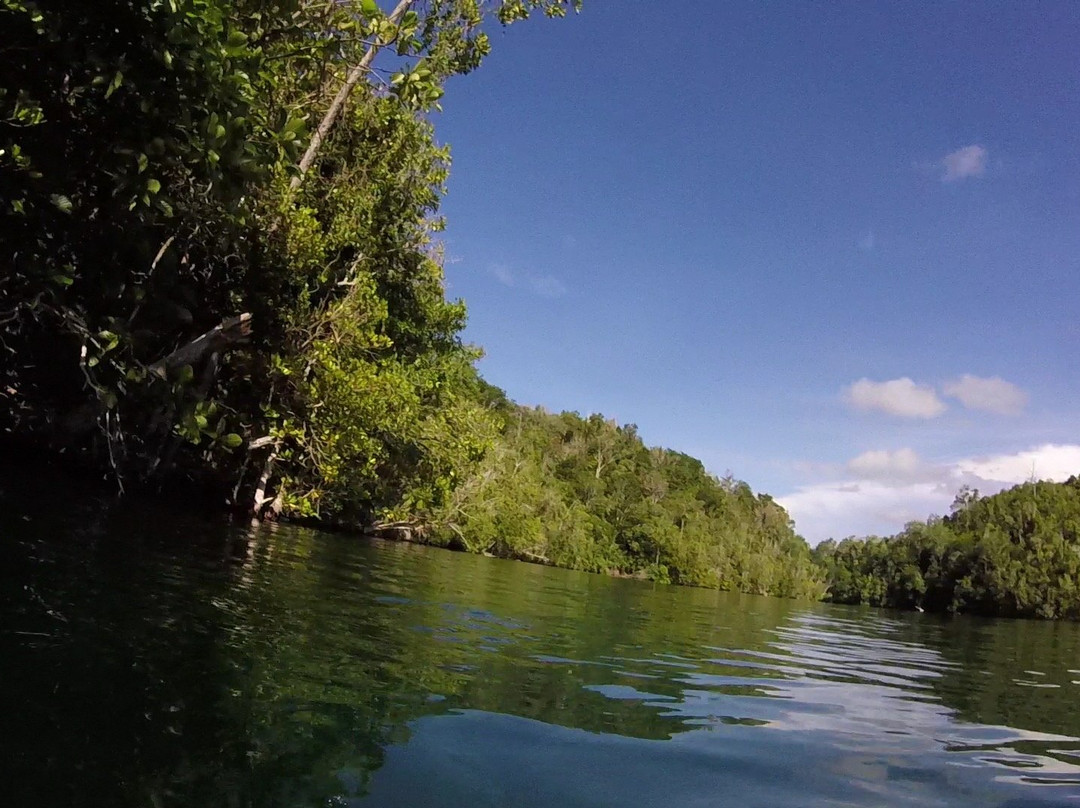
885,465
837,510
885,489
1048,462
970,161
901,397
992,395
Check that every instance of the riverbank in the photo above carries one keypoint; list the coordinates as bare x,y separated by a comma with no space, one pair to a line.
1013,554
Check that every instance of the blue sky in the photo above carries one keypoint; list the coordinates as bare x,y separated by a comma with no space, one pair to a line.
834,249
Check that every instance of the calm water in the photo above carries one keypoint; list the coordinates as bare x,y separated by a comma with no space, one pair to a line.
151,660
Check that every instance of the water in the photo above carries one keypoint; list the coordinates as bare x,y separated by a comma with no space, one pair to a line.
150,659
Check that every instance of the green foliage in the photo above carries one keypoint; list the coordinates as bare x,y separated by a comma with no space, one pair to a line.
369,380
587,494
176,304
187,297
1014,554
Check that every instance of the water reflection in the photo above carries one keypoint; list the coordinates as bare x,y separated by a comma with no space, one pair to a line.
163,661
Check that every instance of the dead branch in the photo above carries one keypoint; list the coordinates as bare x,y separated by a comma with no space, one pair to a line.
228,333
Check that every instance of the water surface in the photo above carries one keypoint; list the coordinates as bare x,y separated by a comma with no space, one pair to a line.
151,659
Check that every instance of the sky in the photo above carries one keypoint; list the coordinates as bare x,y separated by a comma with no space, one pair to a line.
833,249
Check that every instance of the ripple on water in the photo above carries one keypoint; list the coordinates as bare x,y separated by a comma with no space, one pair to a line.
314,669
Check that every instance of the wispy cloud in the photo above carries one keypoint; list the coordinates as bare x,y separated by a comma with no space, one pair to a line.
993,394
502,274
969,161
547,286
900,397
880,491
542,285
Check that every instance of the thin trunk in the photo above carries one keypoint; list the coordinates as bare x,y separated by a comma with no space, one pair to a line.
163,464
260,499
240,479
352,78
149,275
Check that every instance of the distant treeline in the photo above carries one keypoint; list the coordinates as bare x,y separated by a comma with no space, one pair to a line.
1014,554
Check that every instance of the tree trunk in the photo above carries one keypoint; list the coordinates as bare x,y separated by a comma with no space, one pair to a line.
259,499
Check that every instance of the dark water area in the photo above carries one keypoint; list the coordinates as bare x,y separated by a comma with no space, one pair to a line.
149,658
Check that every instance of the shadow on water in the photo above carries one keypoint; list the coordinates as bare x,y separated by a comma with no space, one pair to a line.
148,658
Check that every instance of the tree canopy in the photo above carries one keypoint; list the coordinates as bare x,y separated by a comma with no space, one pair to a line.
1014,554
217,224
587,493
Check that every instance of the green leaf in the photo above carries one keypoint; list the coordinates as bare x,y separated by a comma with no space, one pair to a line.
109,339
62,203
232,440
153,185
143,161
369,8
186,374
114,85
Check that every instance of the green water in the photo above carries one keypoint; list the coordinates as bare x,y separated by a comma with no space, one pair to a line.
153,660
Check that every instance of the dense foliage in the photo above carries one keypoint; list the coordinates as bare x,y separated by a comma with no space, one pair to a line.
216,220
1015,554
588,494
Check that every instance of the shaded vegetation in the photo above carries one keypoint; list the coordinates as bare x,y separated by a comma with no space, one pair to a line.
1014,554
217,225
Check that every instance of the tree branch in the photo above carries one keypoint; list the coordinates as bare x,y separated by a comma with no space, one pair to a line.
233,331
330,118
